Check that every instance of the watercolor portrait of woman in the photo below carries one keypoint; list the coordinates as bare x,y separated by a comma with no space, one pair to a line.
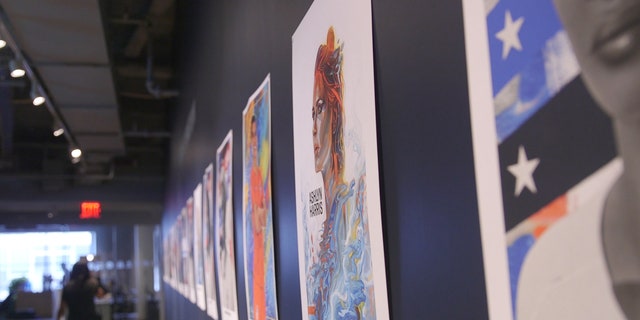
340,245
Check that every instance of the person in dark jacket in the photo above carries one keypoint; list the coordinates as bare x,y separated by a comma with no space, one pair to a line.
77,295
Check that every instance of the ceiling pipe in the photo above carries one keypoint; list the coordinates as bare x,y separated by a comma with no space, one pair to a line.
141,36
147,134
53,176
92,176
152,87
136,95
138,71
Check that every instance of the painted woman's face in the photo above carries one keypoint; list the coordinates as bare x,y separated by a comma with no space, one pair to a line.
605,35
321,128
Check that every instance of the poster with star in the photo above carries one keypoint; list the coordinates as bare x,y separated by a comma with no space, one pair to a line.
338,211
544,151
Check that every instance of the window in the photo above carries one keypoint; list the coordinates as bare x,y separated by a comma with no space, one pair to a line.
35,255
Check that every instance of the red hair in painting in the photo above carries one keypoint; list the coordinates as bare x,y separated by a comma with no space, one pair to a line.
328,79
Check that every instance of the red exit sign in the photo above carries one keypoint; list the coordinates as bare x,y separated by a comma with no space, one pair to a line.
90,210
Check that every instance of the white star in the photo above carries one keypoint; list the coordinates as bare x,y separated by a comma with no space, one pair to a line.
509,35
523,171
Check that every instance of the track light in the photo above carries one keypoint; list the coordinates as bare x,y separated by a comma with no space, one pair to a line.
2,43
76,153
36,95
16,68
58,130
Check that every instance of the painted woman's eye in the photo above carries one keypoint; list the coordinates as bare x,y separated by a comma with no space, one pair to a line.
318,108
320,105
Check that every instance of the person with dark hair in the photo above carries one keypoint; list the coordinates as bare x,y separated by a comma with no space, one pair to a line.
8,306
78,294
101,290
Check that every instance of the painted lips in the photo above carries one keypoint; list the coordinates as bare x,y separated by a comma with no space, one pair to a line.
619,38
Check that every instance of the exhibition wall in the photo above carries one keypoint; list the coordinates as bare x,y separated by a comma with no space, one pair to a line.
429,211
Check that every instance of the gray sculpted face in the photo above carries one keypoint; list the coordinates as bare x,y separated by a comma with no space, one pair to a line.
605,35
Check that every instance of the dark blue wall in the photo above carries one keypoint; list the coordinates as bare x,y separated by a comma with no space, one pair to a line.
430,218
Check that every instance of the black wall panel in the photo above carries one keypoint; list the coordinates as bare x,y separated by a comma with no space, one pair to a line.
432,237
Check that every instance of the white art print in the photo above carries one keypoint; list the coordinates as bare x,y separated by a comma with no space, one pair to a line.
208,243
190,277
340,244
197,247
183,258
174,254
166,271
257,215
225,248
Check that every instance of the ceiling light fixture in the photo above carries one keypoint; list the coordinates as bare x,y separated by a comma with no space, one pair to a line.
76,153
36,95
16,68
2,43
58,129
58,132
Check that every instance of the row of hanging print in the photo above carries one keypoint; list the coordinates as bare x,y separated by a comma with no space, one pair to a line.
191,260
201,242
340,246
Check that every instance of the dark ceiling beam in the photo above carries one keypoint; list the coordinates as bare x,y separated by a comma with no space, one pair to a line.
66,212
6,126
138,71
71,64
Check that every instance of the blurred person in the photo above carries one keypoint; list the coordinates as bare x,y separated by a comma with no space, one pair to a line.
78,295
8,306
101,291
65,277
